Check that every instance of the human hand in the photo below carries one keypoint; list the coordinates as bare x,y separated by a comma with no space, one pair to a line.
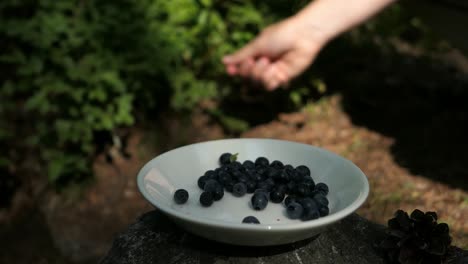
281,52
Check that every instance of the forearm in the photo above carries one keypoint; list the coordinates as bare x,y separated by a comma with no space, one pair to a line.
333,17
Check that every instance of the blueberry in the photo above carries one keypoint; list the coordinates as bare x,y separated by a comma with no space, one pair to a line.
224,177
262,170
270,181
251,185
277,164
181,196
294,210
250,220
211,174
225,158
309,181
296,176
324,211
239,189
248,164
243,178
229,185
201,181
311,209
263,191
290,199
288,167
322,187
284,176
276,196
206,199
303,170
236,174
235,165
320,199
257,177
302,189
291,186
259,201
281,188
273,173
261,161
310,214
210,185
265,185
308,204
218,193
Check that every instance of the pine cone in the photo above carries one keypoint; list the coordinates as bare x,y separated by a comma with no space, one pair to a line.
416,239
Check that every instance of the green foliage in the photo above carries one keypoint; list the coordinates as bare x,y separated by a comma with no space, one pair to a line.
70,69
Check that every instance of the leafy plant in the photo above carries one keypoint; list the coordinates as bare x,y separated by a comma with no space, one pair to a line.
73,70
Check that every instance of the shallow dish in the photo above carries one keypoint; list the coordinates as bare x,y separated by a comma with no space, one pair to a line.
181,168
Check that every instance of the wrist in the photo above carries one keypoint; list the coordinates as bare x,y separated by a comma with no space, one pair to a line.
310,30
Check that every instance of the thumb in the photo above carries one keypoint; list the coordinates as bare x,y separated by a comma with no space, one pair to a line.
248,51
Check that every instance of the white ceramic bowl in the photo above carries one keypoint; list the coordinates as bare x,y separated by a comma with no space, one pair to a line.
181,168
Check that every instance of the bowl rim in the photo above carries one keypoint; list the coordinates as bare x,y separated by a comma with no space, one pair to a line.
300,225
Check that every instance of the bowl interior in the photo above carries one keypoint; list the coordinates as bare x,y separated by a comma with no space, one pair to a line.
181,168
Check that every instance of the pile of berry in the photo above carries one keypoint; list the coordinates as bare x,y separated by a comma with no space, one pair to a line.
268,182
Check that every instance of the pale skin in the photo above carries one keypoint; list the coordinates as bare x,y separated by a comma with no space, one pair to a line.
284,50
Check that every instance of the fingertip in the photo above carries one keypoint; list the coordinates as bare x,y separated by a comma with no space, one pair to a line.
227,59
231,69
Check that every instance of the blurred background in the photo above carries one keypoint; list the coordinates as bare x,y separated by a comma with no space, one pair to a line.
91,90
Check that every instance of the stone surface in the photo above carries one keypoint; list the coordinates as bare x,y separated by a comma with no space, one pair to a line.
155,239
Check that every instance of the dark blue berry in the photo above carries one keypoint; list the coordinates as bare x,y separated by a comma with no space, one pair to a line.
322,187
263,191
277,164
270,181
218,193
294,210
324,211
302,189
311,209
262,170
291,186
250,220
259,201
211,174
284,176
265,185
261,161
210,186
321,199
257,177
303,170
243,178
281,188
229,185
181,196
276,196
290,199
236,174
288,167
308,204
296,176
251,185
273,173
310,214
239,189
201,181
206,199
248,164
224,177
225,158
